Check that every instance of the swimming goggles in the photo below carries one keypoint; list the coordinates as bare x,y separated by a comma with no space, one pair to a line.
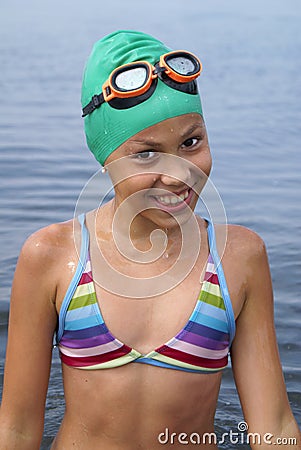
133,83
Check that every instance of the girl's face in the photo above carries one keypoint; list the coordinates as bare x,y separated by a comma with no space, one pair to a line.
163,169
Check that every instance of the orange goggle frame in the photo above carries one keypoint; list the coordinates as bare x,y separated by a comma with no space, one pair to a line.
110,89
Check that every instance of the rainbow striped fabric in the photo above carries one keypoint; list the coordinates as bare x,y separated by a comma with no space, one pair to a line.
201,346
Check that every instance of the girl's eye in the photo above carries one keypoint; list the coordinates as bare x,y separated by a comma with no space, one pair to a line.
191,142
145,156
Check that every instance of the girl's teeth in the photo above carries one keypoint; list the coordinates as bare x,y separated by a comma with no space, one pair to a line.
184,195
173,200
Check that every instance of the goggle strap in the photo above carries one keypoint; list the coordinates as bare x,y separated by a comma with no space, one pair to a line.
96,102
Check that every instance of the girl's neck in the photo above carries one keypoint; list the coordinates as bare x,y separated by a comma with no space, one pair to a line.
138,234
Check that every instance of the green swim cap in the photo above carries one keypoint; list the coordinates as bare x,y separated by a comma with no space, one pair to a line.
107,128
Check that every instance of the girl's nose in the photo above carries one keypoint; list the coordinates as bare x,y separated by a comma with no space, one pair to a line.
176,173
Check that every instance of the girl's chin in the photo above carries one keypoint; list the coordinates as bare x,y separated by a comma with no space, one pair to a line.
164,219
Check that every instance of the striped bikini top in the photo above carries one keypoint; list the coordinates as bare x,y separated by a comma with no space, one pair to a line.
202,346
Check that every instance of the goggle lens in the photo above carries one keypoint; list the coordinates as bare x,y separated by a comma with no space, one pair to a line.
181,64
131,79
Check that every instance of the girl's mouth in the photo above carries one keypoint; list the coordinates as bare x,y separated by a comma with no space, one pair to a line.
174,202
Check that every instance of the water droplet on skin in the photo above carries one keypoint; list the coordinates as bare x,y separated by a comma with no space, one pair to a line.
166,255
71,266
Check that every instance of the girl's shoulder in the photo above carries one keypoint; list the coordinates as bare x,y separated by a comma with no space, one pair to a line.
243,237
239,243
48,245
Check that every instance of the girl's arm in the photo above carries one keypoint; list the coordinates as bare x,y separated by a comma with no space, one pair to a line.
255,358
32,322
